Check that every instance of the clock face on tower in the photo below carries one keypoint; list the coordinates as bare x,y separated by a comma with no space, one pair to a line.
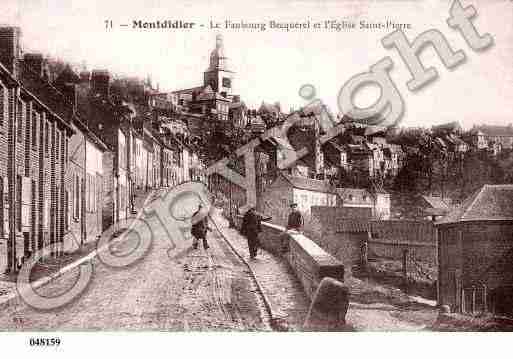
227,82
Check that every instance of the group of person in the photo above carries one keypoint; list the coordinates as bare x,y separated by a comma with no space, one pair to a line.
250,228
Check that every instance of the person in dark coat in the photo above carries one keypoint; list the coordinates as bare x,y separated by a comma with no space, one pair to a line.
199,230
250,228
295,221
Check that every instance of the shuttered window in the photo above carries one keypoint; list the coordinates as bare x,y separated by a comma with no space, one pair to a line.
27,121
46,214
35,119
18,202
2,234
26,202
77,197
3,104
47,139
5,207
67,211
19,119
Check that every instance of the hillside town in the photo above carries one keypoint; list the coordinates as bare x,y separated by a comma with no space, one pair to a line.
82,148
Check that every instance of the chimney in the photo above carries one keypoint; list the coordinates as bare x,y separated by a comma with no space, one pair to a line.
35,62
101,82
10,48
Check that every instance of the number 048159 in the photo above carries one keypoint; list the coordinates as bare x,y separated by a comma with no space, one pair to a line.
45,342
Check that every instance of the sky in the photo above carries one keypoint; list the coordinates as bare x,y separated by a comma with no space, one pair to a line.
272,65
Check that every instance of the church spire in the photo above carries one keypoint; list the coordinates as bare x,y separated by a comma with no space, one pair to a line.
218,60
219,41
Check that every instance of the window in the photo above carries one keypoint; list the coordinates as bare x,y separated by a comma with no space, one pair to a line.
66,210
33,211
66,152
88,193
28,121
122,199
227,82
91,193
77,197
57,142
47,139
5,206
19,118
35,117
2,232
18,203
3,104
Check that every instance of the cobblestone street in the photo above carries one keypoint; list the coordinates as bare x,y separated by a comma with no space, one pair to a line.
176,290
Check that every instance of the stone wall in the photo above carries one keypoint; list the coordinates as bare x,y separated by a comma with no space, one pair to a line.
311,263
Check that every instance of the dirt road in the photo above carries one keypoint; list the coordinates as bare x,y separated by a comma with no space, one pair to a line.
169,289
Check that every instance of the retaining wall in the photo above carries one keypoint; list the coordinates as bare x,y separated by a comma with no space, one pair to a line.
308,260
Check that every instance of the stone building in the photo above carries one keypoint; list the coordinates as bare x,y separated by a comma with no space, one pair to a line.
306,192
488,136
214,97
475,249
378,203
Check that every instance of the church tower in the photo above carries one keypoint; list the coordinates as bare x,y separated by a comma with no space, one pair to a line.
218,75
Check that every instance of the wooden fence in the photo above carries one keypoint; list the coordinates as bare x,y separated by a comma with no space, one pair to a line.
389,239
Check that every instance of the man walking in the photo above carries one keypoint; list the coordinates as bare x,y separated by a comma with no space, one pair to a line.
295,221
199,230
250,228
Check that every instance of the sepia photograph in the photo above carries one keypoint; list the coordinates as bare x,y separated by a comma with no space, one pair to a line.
196,168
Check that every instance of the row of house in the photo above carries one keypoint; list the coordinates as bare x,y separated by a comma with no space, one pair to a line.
74,160
307,192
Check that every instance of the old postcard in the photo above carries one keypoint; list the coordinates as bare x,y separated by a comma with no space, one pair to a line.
271,166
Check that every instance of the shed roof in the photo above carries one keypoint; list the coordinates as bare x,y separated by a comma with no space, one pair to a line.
489,203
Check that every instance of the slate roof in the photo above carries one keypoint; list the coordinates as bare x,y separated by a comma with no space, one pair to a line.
436,202
189,90
495,131
67,76
489,203
357,195
449,126
309,184
374,130
46,93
